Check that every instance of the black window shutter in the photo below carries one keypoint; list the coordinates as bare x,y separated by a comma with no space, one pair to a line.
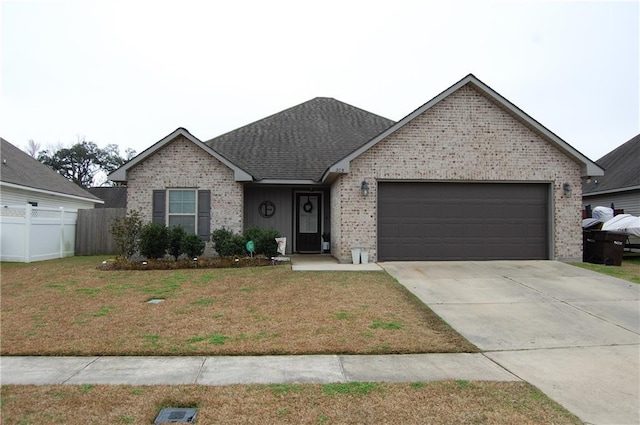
159,205
204,214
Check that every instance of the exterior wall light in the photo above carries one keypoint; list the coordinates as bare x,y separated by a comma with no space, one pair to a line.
364,188
566,188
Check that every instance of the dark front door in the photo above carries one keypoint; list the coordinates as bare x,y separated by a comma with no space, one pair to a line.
308,224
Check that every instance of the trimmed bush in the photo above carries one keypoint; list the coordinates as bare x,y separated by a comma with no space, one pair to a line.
176,235
126,233
192,245
154,240
228,244
265,240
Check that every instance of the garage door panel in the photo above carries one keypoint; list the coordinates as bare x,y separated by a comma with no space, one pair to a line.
457,221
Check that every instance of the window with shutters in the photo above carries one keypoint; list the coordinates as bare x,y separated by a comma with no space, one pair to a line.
189,208
182,209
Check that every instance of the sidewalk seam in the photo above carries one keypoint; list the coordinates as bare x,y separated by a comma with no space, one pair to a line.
83,368
343,372
204,360
502,367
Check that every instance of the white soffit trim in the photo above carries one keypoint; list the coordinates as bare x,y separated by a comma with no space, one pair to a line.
589,168
121,173
288,182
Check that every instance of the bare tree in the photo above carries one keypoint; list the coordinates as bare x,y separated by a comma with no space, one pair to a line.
33,148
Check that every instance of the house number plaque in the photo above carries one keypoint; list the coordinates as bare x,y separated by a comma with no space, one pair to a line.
267,209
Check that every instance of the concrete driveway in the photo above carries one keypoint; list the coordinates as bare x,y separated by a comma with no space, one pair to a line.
572,333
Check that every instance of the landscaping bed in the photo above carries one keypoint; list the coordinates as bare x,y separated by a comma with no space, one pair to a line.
198,263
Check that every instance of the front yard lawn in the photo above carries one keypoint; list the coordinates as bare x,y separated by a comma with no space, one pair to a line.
453,402
69,307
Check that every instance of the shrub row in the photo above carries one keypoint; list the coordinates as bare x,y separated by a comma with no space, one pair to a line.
229,244
153,240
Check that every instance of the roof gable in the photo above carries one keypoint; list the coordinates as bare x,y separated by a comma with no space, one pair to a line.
301,142
622,167
589,168
21,170
120,174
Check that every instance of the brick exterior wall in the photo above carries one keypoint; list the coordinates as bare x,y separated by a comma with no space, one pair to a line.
182,164
465,137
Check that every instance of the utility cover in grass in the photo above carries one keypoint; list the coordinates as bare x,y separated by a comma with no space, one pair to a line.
173,415
155,300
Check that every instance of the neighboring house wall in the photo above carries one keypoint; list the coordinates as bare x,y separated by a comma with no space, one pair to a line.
15,196
465,137
181,164
629,201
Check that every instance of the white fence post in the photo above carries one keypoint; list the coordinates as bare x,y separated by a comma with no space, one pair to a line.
61,244
27,233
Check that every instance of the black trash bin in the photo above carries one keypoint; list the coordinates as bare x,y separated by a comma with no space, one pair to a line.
603,247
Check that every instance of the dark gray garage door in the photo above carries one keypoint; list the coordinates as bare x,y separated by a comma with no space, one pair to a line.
462,221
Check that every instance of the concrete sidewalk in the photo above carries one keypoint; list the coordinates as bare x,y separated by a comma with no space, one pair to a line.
226,370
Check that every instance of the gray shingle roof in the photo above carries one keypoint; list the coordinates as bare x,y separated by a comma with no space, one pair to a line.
301,142
23,170
622,168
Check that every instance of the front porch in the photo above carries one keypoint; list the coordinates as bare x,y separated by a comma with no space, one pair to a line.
300,213
326,262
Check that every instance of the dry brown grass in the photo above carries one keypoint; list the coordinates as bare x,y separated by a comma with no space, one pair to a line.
457,402
69,307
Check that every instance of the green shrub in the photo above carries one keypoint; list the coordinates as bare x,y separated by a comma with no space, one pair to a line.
176,235
265,240
154,240
126,233
192,245
228,244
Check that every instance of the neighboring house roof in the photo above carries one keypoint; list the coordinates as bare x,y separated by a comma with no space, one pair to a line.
301,142
113,197
22,171
120,175
622,167
589,168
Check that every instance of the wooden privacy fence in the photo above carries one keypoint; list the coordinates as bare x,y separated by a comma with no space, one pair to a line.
92,232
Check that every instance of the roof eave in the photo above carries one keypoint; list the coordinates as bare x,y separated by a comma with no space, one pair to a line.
51,192
296,182
610,191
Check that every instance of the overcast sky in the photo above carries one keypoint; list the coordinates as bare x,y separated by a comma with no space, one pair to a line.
131,72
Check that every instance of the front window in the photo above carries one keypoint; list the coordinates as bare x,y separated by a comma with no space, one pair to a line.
182,209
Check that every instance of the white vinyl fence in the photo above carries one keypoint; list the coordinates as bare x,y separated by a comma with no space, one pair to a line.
36,233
